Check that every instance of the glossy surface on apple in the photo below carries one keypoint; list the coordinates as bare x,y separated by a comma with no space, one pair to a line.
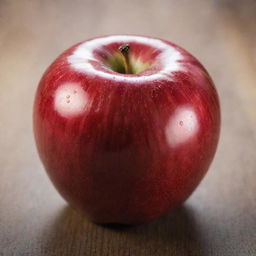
126,148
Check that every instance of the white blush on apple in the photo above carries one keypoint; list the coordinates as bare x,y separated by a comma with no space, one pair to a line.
70,99
182,126
170,58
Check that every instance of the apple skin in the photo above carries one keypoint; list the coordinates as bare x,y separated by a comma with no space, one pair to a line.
121,151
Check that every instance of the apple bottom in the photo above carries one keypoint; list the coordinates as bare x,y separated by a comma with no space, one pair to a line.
108,194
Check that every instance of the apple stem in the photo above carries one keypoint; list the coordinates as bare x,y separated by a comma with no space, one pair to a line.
124,49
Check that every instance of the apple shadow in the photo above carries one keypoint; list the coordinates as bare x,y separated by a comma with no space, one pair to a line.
173,234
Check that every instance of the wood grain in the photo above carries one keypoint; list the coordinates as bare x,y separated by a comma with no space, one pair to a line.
219,218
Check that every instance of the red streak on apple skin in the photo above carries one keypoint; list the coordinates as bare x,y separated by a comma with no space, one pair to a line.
112,154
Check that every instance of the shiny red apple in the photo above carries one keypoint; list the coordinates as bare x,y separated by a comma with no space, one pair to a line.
126,126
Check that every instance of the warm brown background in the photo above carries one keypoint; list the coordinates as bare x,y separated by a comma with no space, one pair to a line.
219,218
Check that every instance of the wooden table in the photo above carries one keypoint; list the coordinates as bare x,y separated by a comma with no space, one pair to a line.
219,218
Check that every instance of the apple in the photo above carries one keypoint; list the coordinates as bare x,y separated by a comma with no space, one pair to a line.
126,126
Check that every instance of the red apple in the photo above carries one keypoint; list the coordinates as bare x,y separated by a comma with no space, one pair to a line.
126,126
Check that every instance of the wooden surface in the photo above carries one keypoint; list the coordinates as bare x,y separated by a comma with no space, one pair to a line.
219,218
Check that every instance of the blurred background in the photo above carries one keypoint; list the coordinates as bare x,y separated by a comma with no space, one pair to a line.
219,218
